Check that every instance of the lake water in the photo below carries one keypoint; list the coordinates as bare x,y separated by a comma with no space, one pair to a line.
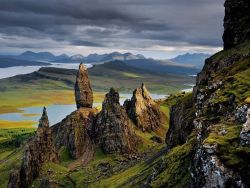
56,112
13,71
189,89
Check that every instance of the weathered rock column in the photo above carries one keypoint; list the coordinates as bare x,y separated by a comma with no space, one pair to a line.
83,90
113,130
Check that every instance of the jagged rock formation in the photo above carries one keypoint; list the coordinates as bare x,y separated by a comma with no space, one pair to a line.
113,130
83,91
236,22
72,132
38,150
142,110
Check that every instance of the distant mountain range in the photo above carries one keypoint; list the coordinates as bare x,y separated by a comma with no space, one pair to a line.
40,56
197,59
100,58
182,64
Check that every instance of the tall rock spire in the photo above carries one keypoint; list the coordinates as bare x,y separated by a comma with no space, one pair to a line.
83,91
44,121
236,23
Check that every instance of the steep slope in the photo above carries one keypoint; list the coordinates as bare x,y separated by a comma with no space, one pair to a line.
217,128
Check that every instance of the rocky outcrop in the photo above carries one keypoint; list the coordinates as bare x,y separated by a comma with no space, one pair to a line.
210,171
181,122
83,91
236,22
37,151
142,110
72,133
113,130
245,132
218,107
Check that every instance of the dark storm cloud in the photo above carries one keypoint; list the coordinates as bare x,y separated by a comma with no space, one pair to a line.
110,23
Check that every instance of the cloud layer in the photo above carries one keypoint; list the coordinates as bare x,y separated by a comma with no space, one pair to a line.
129,25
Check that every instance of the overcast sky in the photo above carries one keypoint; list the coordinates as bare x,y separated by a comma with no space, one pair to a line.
154,28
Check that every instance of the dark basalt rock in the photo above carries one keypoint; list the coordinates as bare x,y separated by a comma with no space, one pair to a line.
83,91
14,180
38,150
113,130
181,122
236,22
142,110
72,132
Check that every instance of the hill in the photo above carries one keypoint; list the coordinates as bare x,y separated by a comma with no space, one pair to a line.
196,60
12,62
162,67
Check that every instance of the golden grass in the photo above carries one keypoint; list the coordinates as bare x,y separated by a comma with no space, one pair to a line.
17,124
30,115
131,75
247,100
11,102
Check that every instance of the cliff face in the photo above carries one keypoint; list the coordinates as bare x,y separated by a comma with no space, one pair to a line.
83,91
38,150
181,121
220,103
72,132
113,130
236,22
142,110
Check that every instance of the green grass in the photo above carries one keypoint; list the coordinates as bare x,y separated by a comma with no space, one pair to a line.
14,137
228,147
242,49
131,75
10,159
177,162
